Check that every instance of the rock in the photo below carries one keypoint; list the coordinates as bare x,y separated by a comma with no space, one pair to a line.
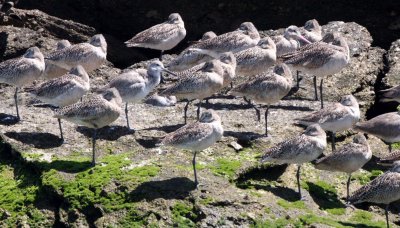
392,77
235,146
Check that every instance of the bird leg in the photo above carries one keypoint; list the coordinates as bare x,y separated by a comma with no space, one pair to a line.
126,115
315,88
231,85
61,132
94,147
198,109
320,91
255,108
185,109
387,215
298,79
348,188
266,121
16,102
390,148
298,180
333,136
194,169
161,54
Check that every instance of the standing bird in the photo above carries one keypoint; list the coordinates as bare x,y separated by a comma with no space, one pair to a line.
199,85
350,158
90,55
133,86
22,71
244,37
298,150
339,117
385,126
164,36
95,112
319,59
52,71
196,136
63,91
384,189
266,89
312,31
392,94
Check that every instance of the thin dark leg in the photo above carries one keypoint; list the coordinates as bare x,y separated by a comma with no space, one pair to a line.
320,91
390,148
231,85
185,110
16,102
266,121
297,79
348,188
387,215
161,54
94,147
194,169
126,115
198,109
61,132
333,135
298,180
315,88
255,108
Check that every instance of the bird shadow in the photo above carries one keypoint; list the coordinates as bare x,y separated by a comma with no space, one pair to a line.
149,142
63,165
373,164
110,133
38,140
6,119
243,136
165,128
325,198
174,188
292,108
225,106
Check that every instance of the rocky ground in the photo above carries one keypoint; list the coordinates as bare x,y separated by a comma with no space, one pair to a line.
136,183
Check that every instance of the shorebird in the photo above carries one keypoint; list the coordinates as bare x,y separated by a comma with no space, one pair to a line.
22,71
384,189
63,91
390,158
319,59
164,36
90,55
298,150
350,158
385,126
52,71
157,100
392,94
244,37
312,31
189,58
339,117
196,136
290,41
266,89
95,112
199,85
133,86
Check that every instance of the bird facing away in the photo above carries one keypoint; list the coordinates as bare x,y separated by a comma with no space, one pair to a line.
63,91
22,71
266,89
199,85
319,59
350,158
164,36
90,55
339,117
133,86
392,94
312,31
95,112
385,126
196,136
298,150
244,37
52,71
382,190
189,58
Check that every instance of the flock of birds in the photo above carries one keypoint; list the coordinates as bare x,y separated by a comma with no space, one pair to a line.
204,69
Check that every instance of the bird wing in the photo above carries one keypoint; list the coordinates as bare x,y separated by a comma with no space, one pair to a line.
325,115
311,56
70,54
12,67
188,133
154,34
286,150
53,88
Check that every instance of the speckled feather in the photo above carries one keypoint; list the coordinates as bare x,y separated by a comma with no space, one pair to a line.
385,126
154,34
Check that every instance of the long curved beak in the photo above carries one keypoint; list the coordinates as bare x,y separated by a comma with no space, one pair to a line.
169,72
303,39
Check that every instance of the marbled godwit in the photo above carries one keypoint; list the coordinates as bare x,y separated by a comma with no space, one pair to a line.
52,71
312,31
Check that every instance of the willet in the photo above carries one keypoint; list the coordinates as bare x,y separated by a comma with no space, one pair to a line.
199,85
319,59
312,31
385,126
52,71
382,190
266,89
133,86
63,91
164,36
339,117
298,150
22,71
90,55
95,112
392,94
196,136
350,158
